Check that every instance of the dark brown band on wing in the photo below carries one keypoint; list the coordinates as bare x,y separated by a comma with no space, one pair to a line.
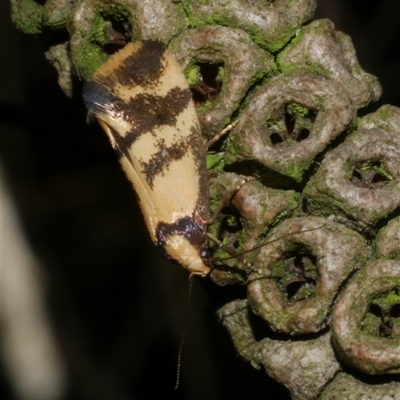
143,112
191,228
144,67
161,160
146,111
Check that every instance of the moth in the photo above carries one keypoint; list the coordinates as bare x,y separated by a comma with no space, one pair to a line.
143,102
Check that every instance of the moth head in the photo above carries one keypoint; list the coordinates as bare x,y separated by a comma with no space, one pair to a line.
188,256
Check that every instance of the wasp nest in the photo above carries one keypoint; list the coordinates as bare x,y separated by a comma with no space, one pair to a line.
317,224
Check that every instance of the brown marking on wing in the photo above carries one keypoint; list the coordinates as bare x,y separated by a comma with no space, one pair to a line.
136,64
160,161
146,111
190,227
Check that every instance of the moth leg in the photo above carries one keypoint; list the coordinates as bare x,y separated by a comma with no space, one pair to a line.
221,134
231,251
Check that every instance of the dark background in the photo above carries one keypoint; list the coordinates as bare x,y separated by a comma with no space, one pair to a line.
117,306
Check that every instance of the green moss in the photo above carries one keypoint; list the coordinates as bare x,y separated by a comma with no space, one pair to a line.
204,107
297,110
116,12
233,151
88,57
323,311
88,54
385,112
27,16
296,170
221,74
227,121
379,168
221,20
258,37
224,17
291,67
98,29
215,162
388,299
215,19
192,74
261,78
370,324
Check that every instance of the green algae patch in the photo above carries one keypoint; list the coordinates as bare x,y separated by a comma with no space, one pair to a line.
27,15
89,57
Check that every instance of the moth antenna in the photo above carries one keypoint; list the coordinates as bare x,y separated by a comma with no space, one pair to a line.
183,331
232,251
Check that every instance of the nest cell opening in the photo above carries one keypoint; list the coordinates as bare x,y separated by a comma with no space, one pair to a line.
116,28
371,175
383,316
209,83
293,127
298,275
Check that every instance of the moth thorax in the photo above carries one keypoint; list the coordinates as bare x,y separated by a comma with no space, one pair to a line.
188,256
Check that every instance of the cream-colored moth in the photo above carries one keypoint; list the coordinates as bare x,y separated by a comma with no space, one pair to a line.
143,102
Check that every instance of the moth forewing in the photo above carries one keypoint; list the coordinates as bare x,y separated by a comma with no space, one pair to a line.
146,204
143,102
